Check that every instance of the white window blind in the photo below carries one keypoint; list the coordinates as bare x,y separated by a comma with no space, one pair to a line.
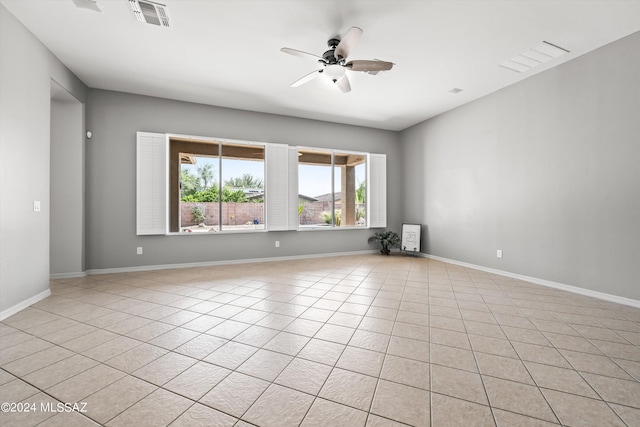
151,187
294,220
377,184
277,187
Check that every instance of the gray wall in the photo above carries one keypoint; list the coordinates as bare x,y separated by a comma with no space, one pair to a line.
67,185
114,118
26,70
548,170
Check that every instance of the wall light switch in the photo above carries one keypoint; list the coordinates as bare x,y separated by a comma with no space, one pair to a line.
36,205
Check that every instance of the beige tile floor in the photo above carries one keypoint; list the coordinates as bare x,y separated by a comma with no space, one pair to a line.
349,341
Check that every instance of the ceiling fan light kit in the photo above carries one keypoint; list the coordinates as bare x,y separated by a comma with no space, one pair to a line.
334,72
334,61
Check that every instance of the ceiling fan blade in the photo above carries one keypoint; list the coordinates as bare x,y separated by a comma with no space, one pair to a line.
343,84
348,43
312,75
369,65
301,54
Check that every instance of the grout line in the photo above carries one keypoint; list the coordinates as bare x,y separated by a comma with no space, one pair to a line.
293,282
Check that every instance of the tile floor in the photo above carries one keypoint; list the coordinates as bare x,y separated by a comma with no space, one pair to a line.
349,341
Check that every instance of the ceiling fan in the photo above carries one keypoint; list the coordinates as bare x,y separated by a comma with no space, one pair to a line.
334,61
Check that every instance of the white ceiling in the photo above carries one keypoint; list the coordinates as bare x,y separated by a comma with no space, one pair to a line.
227,52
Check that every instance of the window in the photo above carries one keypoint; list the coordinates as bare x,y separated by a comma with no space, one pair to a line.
195,185
215,186
332,188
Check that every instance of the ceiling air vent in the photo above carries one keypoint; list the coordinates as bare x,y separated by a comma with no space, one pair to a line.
150,12
534,56
88,4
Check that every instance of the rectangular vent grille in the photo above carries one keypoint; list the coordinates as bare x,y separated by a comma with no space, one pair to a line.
534,56
149,12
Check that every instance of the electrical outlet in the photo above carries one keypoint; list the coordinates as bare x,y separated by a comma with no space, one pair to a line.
36,205
277,243
499,253
139,250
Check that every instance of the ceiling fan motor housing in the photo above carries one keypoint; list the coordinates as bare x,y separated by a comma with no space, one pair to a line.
329,56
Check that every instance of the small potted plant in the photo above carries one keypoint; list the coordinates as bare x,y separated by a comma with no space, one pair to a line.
387,239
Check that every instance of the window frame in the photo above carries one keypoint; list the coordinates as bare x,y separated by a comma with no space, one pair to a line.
220,142
333,152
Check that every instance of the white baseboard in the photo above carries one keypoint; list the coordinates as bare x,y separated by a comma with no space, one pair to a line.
24,304
569,288
68,275
226,262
